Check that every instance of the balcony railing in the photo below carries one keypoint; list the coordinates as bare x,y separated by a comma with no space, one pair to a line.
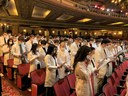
87,8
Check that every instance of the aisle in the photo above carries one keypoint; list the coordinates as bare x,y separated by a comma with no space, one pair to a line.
8,89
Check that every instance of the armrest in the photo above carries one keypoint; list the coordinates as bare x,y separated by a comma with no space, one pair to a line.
124,76
119,88
34,90
72,90
122,82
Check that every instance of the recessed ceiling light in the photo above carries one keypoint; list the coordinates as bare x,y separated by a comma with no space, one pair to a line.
85,20
116,23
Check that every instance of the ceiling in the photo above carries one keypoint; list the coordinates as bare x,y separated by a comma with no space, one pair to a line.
59,13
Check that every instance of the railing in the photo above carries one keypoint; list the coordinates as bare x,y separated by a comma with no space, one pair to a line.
86,7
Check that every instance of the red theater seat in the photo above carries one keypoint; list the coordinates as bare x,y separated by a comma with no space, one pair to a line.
10,70
37,82
62,88
1,64
71,80
22,76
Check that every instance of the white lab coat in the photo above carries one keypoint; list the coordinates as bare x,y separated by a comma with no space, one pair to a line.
28,45
51,68
99,57
83,81
7,54
15,50
33,59
41,58
73,48
63,56
2,42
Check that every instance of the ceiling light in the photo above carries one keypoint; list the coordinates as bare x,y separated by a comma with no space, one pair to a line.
116,23
85,20
125,25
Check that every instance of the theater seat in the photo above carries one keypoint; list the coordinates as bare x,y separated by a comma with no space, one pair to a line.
123,93
37,82
71,80
10,70
22,76
62,88
2,64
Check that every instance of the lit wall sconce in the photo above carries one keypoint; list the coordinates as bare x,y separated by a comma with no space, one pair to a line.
53,32
76,32
24,30
40,31
65,32
120,32
114,33
95,33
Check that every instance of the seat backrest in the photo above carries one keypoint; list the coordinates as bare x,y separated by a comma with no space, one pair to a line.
107,90
23,69
2,59
62,88
38,76
123,93
10,62
71,80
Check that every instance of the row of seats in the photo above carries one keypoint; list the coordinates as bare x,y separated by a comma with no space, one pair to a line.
116,82
63,87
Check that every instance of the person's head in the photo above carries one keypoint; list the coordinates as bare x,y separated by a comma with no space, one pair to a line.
62,45
10,42
31,38
52,50
92,51
105,42
81,55
78,40
5,34
34,48
20,39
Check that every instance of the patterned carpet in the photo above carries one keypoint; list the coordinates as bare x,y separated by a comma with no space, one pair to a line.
8,89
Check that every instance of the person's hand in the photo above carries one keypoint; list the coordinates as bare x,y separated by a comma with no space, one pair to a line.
59,66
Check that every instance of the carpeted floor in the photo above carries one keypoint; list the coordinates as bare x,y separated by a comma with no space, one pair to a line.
8,89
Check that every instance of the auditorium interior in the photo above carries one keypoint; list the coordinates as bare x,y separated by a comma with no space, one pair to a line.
80,20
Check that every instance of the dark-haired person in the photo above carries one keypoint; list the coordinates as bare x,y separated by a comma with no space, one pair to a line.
42,53
18,50
63,57
7,51
51,69
83,72
33,56
100,59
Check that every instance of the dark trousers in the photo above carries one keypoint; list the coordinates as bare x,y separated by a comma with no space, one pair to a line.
49,91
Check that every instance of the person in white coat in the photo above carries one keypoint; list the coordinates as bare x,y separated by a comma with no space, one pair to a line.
51,69
74,48
18,50
29,43
63,57
7,52
42,53
33,58
101,59
83,73
3,40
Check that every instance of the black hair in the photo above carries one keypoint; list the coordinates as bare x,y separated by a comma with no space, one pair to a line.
81,54
105,41
51,48
92,48
34,47
9,41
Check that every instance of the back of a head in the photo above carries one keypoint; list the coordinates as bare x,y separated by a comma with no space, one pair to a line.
105,41
81,54
20,38
51,48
